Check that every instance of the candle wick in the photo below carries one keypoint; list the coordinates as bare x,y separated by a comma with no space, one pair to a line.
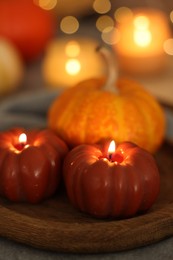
112,69
110,156
23,144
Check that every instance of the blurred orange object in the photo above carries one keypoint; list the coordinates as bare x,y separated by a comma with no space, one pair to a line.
11,68
87,114
27,25
112,108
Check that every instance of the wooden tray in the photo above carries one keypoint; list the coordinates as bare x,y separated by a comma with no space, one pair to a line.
56,225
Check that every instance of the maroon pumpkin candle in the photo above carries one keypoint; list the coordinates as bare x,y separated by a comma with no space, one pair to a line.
118,183
30,164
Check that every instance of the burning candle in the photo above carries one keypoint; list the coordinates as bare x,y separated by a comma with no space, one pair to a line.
111,150
114,182
22,143
114,156
68,62
30,163
141,38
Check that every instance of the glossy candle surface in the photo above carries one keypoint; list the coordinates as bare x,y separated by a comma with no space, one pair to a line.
119,186
31,167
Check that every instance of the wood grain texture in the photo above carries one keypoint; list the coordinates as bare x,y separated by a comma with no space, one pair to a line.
56,225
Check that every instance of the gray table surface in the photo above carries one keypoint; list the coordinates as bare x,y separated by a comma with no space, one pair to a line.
10,250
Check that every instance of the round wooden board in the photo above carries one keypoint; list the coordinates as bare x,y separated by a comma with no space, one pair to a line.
56,225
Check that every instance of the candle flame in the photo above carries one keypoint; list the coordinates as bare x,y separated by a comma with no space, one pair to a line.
112,147
141,22
22,138
142,38
73,67
142,35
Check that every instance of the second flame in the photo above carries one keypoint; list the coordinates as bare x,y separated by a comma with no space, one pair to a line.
111,148
22,138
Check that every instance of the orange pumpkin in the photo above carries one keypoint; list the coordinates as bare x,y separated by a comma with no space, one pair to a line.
91,111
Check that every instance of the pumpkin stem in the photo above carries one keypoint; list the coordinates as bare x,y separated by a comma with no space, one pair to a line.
112,72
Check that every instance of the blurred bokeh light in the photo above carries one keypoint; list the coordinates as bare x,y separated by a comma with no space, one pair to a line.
46,4
103,22
102,6
168,46
123,14
69,24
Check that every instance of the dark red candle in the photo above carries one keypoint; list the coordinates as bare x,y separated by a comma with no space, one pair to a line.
117,183
30,164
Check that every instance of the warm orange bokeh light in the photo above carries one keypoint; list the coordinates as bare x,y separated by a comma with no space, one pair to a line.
72,49
142,35
73,66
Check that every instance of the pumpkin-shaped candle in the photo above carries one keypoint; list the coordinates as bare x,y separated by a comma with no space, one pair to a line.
30,163
116,184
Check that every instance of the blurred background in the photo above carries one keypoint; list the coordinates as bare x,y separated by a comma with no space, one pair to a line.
50,45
